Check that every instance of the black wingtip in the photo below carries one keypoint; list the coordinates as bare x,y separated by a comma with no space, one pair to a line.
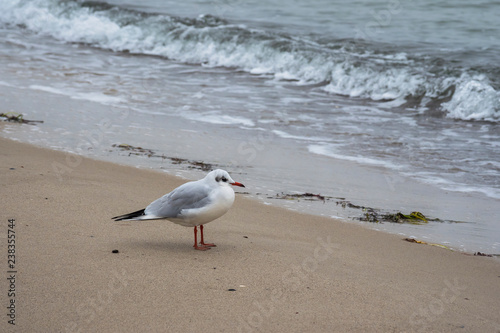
129,215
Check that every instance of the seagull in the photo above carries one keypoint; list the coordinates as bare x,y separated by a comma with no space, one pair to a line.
192,204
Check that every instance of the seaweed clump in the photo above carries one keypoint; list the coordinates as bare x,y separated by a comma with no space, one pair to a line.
136,150
139,151
412,218
305,196
18,118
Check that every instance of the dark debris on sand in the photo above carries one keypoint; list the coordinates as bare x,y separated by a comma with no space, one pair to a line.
368,214
18,118
140,151
305,196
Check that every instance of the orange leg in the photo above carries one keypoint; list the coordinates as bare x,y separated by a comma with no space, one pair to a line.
203,247
202,242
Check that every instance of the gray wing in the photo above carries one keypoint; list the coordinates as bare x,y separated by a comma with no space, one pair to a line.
188,196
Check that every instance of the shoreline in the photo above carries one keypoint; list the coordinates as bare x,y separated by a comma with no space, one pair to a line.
273,269
93,129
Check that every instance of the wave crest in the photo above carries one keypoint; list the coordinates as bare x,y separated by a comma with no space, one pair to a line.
345,67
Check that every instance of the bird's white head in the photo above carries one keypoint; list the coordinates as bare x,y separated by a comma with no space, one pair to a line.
222,178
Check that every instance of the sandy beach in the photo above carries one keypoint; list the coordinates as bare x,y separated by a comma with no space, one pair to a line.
273,270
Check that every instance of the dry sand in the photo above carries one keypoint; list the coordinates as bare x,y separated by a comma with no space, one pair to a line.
272,271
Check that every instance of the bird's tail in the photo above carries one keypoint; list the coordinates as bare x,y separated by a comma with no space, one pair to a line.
129,216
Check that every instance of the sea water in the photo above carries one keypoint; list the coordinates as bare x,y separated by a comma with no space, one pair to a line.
393,105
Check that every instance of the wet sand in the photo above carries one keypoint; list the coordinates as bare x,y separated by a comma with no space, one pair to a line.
270,164
273,270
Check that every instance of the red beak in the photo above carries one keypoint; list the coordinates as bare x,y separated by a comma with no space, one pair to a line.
237,184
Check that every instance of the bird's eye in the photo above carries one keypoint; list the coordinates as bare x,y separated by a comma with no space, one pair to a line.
224,179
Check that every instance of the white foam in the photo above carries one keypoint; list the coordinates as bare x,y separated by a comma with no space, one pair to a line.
329,150
98,98
449,185
48,89
92,97
286,135
474,98
220,119
6,84
356,74
488,191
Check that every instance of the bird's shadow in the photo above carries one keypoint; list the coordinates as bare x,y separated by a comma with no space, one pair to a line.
167,246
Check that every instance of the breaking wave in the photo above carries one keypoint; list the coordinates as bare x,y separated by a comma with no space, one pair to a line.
344,67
